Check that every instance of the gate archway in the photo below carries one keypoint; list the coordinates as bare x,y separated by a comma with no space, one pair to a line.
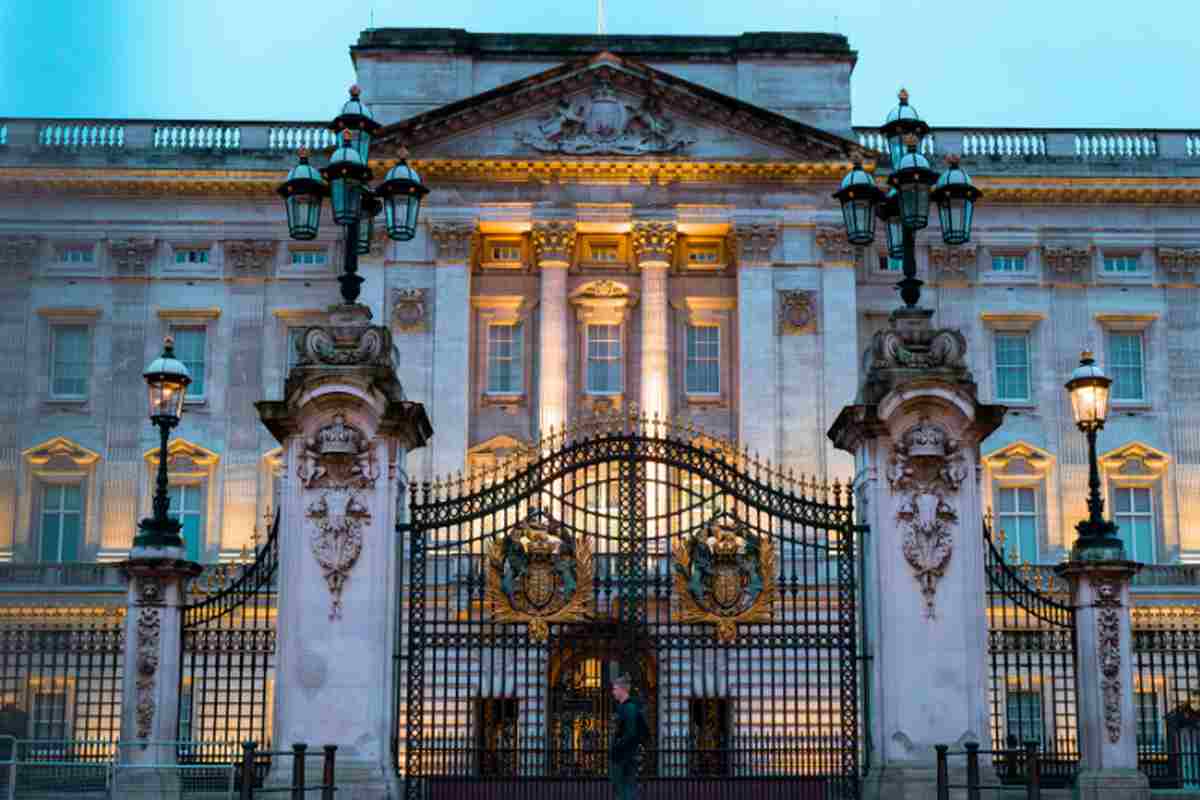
726,590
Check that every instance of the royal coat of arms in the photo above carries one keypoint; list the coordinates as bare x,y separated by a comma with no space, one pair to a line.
539,574
725,575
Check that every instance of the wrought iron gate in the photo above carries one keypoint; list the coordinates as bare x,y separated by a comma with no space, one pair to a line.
228,663
724,589
1031,651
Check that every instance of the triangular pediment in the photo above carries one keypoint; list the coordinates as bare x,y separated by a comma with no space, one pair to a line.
1135,460
608,107
60,451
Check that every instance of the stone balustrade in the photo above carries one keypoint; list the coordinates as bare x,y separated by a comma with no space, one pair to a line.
1046,144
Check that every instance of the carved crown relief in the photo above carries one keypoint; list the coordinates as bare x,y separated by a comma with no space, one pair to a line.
605,125
654,241
797,312
409,310
926,467
554,241
338,455
755,242
132,256
250,255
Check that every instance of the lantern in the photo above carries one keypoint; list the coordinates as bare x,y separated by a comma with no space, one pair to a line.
902,122
912,178
859,195
1089,392
371,206
358,120
889,212
401,192
302,193
167,380
955,196
347,175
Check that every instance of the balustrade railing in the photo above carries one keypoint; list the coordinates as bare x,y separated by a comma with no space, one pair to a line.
1116,145
1003,144
1191,145
72,135
197,137
293,137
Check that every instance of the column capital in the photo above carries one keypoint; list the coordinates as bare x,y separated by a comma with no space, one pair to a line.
18,251
452,240
554,242
834,245
755,242
654,243
132,256
250,255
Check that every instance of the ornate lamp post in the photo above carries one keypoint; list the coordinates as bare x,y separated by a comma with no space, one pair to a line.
905,209
1089,393
167,380
354,204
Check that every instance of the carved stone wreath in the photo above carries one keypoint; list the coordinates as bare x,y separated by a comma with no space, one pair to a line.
149,623
338,516
927,466
1108,642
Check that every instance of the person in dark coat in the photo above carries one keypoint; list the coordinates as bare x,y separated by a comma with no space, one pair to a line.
631,733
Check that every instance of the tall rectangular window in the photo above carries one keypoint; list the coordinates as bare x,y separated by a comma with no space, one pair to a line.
62,522
1012,367
1008,263
71,364
1125,366
1121,264
1133,511
504,353
1149,721
187,506
49,717
190,348
1017,516
703,369
1023,717
604,359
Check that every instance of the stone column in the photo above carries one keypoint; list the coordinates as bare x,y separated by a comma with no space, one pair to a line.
654,247
839,333
758,402
156,577
553,243
451,343
915,434
1104,680
345,429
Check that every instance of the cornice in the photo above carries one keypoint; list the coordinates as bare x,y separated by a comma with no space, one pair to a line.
189,314
71,312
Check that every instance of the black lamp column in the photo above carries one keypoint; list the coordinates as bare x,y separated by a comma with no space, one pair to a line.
1089,391
351,282
167,380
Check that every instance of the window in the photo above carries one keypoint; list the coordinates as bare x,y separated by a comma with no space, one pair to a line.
1017,517
191,256
62,522
704,254
888,264
49,717
71,361
308,257
1023,717
190,347
1125,366
1149,721
1133,509
504,251
604,253
76,254
604,359
1121,264
504,349
703,371
1012,366
187,506
1008,263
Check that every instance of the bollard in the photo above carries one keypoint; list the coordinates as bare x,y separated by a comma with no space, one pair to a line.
327,787
298,751
943,773
972,770
248,749
1033,768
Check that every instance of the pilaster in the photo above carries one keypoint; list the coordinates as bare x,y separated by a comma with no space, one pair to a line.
839,334
554,245
654,248
451,342
758,403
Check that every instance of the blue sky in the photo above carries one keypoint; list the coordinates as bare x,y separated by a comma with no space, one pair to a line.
1022,62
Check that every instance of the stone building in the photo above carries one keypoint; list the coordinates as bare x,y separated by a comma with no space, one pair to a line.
615,221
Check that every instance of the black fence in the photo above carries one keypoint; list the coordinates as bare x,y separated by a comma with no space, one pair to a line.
1012,766
1166,701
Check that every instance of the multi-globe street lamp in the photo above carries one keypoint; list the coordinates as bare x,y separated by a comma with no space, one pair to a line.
904,209
167,379
345,180
1089,390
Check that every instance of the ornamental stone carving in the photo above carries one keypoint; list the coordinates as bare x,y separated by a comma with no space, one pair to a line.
1179,262
603,124
345,345
338,516
338,455
452,240
132,256
952,263
554,241
409,310
1108,643
834,245
250,255
18,252
654,242
755,242
919,348
926,467
797,312
149,624
1068,261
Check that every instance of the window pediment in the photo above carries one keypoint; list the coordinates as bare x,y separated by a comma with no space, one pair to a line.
603,302
60,452
184,457
1019,460
1135,461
